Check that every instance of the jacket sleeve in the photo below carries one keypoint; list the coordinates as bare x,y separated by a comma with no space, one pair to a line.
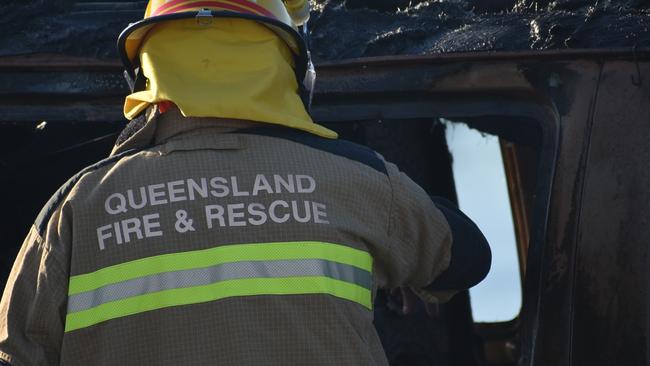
434,248
33,305
471,257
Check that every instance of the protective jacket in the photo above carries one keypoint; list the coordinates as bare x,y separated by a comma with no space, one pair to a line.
203,241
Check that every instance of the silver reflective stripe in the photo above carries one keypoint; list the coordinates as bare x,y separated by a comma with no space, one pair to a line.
218,273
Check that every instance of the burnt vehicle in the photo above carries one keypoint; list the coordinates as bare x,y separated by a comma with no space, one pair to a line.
574,132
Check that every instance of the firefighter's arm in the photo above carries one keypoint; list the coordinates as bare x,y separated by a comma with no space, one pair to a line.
436,249
471,257
32,309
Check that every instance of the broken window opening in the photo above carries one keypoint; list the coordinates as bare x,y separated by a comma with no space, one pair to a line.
482,190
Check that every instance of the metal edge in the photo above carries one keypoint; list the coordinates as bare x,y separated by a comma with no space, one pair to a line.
59,61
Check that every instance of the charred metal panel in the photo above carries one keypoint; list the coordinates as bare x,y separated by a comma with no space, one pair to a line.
547,298
611,287
44,87
564,92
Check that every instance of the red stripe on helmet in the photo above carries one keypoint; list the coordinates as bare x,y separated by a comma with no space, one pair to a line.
258,10
249,4
166,6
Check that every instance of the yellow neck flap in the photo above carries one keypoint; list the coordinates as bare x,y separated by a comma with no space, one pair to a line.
232,68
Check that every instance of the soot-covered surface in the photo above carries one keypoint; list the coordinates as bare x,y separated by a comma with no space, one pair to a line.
357,28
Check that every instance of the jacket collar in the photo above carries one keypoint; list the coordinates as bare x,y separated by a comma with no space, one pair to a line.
160,128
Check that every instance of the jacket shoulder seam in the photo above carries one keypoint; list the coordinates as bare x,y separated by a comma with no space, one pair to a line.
59,196
343,148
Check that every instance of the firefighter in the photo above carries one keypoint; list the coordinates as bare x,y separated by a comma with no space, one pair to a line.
226,227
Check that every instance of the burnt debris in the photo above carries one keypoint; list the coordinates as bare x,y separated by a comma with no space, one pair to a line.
357,28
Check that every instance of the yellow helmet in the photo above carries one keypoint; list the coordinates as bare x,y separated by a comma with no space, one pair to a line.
281,16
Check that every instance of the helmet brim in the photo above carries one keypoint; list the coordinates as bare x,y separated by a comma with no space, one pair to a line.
131,38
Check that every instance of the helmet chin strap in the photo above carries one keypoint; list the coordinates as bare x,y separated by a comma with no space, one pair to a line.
309,82
129,80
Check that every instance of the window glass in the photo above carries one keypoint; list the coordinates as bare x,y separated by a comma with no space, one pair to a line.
483,196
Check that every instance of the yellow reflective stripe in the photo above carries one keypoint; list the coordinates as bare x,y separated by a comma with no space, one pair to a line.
216,291
222,254
219,273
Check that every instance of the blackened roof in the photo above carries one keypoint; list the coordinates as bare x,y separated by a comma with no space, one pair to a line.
356,28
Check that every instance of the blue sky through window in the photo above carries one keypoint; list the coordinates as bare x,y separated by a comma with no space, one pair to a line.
483,196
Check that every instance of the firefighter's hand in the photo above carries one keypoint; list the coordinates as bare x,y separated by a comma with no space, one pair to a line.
404,301
406,297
